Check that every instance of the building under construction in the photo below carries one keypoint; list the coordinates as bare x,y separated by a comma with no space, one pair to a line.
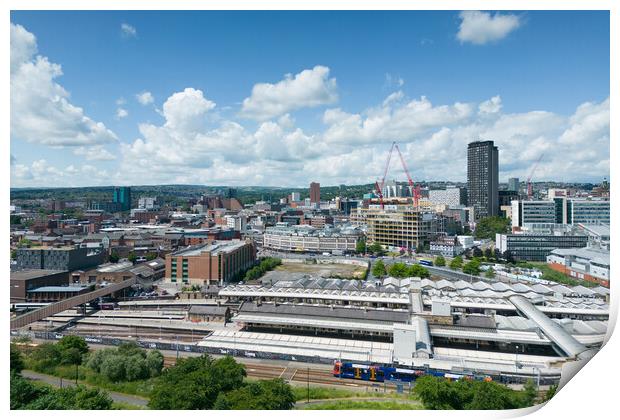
402,226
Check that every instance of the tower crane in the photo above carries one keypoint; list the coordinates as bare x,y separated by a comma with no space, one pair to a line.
415,190
529,179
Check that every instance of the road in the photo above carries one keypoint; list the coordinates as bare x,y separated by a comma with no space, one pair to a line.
57,382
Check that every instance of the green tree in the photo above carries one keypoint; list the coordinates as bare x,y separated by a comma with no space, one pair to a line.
194,383
437,394
132,257
154,362
550,393
17,362
378,269
151,256
46,357
16,219
477,252
456,263
416,270
24,243
83,398
22,391
472,267
488,254
492,396
360,246
508,257
529,393
398,270
113,368
73,342
490,273
376,249
131,348
440,261
487,227
272,394
136,368
114,257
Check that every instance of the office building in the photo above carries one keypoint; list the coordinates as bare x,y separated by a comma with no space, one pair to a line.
25,280
315,192
214,263
536,247
295,197
148,203
525,213
482,178
122,196
310,239
513,184
587,211
451,196
395,226
66,258
589,264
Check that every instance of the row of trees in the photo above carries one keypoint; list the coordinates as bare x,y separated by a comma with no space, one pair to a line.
127,362
400,270
202,383
487,227
70,350
266,264
440,394
27,396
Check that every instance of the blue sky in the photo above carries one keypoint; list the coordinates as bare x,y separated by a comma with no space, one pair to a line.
535,82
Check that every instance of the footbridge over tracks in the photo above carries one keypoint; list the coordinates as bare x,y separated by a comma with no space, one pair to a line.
54,308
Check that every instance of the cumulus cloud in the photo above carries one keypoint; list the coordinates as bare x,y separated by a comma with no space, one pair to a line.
94,153
121,113
40,108
491,106
145,98
128,31
482,27
392,121
309,88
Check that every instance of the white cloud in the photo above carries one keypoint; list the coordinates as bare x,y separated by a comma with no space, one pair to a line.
94,153
128,31
491,106
309,88
121,101
186,111
121,113
481,27
40,109
145,98
394,120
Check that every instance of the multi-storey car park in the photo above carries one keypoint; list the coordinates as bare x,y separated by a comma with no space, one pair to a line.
309,239
504,329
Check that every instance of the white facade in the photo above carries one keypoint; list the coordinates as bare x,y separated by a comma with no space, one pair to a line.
309,240
450,196
148,203
295,196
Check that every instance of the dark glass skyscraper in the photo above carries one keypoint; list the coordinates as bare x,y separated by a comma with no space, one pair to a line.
122,196
482,178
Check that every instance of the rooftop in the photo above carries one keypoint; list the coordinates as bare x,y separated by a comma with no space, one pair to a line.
599,256
214,248
33,274
52,289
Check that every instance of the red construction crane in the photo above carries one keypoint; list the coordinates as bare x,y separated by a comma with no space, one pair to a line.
380,194
529,179
415,190
387,166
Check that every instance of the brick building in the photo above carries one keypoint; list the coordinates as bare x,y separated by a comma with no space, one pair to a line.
215,263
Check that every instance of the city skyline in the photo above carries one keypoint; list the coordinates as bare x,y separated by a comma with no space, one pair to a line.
89,114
